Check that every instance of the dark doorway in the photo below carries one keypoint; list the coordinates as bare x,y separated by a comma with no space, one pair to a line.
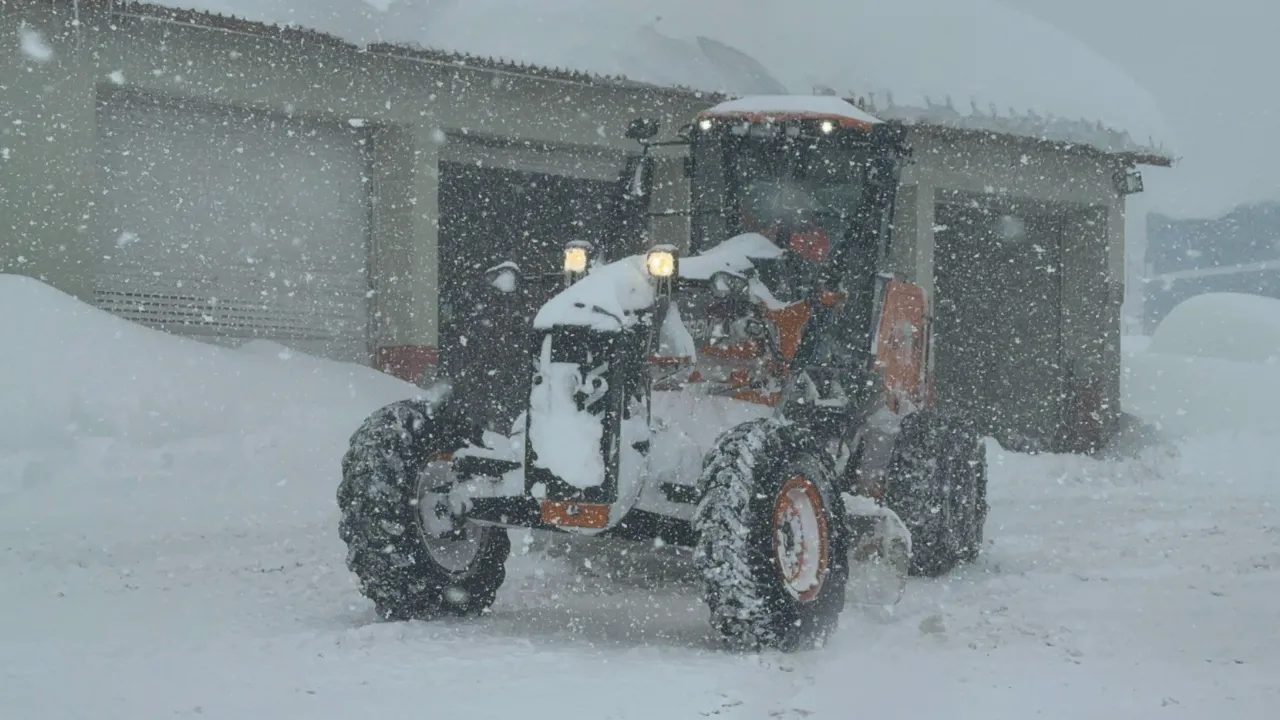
998,278
489,216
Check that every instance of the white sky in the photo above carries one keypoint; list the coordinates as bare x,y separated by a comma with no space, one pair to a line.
1214,68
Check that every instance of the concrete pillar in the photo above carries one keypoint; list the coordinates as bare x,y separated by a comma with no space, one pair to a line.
405,258
1093,272
924,250
912,252
48,131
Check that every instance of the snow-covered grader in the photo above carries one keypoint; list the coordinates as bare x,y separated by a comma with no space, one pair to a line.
759,392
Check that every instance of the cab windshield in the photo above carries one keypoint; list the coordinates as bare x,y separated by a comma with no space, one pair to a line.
779,187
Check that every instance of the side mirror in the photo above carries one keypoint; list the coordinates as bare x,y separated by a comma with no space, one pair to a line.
642,129
505,277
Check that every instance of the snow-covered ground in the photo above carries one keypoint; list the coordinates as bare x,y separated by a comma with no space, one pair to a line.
168,548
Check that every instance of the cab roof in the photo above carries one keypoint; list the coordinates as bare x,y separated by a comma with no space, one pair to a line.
756,108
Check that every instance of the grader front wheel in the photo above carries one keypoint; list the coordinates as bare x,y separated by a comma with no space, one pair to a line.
773,542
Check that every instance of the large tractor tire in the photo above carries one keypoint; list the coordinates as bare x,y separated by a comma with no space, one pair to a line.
772,540
937,484
408,572
969,463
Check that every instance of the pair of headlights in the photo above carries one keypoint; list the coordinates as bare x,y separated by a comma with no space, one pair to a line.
659,262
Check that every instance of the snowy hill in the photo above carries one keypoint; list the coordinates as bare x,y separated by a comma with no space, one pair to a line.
168,548
109,423
1212,365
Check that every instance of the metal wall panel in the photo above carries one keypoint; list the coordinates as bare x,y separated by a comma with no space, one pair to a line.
228,226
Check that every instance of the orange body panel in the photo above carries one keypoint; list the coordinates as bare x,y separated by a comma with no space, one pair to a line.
572,514
745,350
812,246
781,507
900,344
790,322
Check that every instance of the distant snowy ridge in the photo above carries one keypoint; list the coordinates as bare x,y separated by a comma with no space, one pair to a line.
969,64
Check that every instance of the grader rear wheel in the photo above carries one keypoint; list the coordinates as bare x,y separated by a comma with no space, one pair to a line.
937,484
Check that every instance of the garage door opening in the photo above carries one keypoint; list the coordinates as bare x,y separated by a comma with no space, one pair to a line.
998,278
491,215
229,226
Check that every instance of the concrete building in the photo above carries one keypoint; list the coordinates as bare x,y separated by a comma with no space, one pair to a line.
229,179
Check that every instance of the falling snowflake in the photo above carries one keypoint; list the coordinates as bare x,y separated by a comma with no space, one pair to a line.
33,45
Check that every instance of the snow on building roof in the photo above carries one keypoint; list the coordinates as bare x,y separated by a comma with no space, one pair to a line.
814,106
972,64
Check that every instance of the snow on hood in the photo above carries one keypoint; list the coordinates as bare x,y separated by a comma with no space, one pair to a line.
606,299
969,63
732,256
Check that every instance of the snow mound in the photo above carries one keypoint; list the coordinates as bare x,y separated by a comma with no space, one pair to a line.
1211,368
1228,326
1194,397
73,370
109,422
969,63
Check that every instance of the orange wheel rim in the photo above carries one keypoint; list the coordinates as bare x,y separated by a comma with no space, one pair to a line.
800,543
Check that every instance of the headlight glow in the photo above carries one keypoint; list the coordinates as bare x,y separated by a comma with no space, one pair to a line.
660,263
575,259
828,127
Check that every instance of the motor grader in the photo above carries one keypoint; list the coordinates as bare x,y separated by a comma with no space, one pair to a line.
758,391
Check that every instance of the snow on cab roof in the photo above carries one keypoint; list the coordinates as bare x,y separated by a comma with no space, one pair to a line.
808,106
967,64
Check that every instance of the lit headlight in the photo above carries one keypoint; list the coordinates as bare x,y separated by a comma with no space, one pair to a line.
827,127
661,261
576,255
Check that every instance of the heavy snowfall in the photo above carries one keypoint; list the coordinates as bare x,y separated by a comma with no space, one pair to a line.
169,539
168,548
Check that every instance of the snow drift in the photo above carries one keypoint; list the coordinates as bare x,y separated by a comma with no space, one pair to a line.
97,411
1212,366
1228,326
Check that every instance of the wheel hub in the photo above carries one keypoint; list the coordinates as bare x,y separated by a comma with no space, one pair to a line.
456,552
452,543
800,538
